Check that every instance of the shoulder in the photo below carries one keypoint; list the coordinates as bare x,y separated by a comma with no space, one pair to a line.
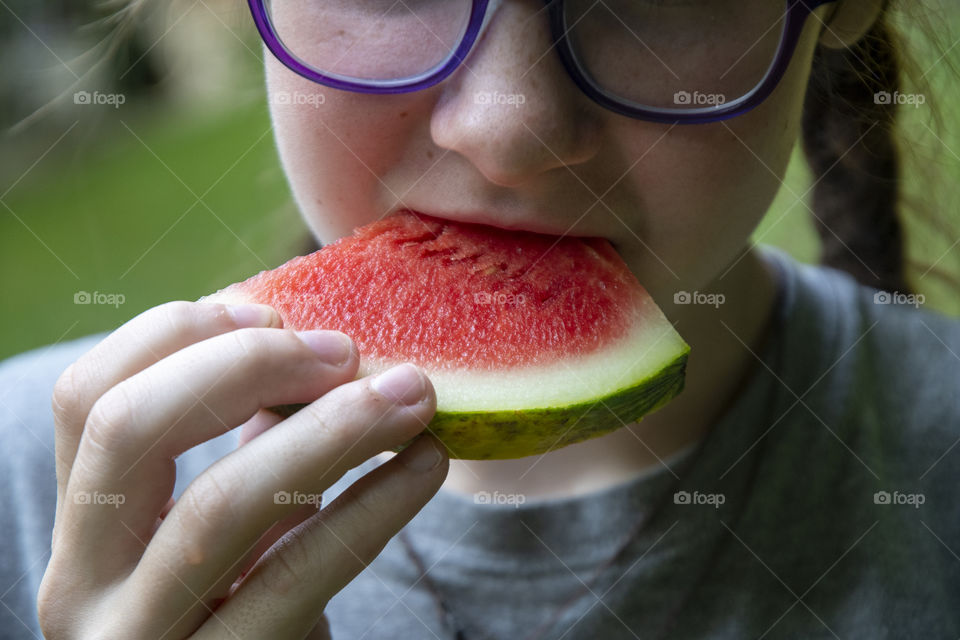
880,380
890,353
900,359
26,386
854,484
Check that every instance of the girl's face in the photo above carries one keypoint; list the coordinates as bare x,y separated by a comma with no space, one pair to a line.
678,202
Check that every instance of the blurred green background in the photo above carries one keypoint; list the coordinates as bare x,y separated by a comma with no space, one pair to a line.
178,191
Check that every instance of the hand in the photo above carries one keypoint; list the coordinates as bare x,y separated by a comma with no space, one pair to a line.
130,562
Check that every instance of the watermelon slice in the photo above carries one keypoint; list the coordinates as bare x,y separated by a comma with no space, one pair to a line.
532,341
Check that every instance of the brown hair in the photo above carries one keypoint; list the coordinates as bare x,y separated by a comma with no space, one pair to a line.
850,139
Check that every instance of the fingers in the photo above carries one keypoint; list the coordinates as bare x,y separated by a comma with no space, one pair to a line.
211,531
136,429
276,532
263,420
260,423
145,339
286,591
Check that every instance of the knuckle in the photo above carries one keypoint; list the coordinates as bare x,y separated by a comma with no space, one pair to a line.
178,314
295,558
64,399
369,512
46,615
361,400
341,430
347,415
332,435
373,411
108,424
366,519
52,602
184,318
362,524
208,503
250,343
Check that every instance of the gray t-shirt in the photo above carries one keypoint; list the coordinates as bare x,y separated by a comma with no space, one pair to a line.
823,504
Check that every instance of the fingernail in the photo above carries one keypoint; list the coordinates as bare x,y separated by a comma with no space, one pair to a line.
421,455
331,346
252,315
402,384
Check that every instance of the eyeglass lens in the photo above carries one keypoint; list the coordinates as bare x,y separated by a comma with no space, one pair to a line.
670,54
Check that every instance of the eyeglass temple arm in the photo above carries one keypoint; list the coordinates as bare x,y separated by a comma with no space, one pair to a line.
492,6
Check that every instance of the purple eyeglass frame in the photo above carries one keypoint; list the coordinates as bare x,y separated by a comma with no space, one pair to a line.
796,16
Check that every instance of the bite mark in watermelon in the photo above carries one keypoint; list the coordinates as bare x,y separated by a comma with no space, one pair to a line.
532,341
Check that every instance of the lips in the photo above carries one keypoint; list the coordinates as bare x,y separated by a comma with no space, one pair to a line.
528,224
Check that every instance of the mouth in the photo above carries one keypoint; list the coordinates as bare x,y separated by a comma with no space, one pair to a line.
525,225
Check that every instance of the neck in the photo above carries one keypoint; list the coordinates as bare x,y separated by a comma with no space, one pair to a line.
717,366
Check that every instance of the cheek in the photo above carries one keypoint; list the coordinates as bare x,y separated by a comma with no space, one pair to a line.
333,146
726,179
704,188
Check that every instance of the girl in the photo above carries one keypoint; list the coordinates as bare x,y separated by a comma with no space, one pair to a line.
801,485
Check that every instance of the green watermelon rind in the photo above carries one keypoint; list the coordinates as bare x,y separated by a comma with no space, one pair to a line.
489,435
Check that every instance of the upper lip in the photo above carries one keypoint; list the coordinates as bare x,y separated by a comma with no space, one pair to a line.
526,224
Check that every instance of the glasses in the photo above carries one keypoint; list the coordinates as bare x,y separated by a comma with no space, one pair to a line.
670,61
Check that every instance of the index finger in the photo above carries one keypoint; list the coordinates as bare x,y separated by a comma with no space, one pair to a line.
140,342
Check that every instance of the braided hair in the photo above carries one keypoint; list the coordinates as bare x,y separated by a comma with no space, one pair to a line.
849,126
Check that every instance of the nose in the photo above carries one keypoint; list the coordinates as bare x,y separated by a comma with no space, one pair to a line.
510,108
